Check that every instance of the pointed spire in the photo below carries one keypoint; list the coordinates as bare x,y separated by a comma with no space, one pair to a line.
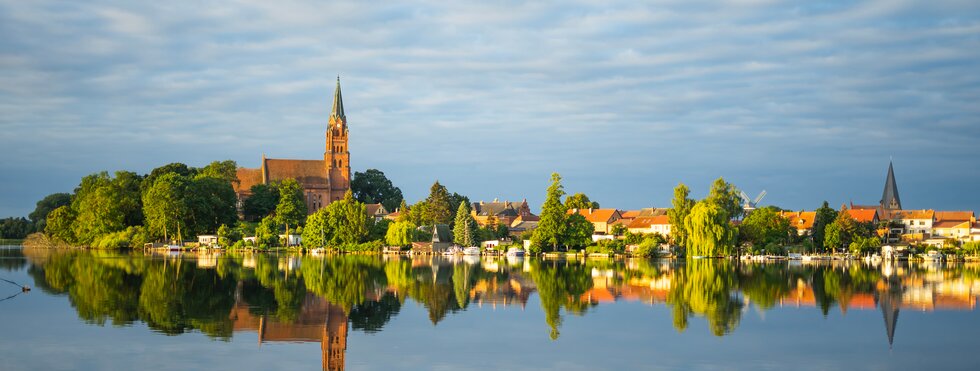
338,103
889,197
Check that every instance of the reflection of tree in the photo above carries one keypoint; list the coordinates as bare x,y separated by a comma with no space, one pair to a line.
345,280
560,284
11,259
706,287
765,284
371,316
176,297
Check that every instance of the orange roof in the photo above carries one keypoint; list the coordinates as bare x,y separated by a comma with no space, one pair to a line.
863,215
647,221
307,172
952,224
246,179
954,215
596,215
800,219
630,213
913,214
375,209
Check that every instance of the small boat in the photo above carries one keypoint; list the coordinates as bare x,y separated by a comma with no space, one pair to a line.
515,251
794,256
933,255
472,250
454,250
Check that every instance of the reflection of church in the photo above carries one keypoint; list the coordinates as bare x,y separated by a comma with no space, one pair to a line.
318,321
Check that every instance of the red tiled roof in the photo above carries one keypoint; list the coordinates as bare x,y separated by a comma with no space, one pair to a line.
630,214
596,215
647,221
800,219
953,215
952,224
913,214
309,173
246,179
863,215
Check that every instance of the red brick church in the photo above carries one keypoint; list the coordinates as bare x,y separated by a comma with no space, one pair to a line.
323,181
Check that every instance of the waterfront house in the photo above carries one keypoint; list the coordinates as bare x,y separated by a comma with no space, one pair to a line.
954,224
521,225
601,219
442,239
916,225
650,224
801,220
376,211
207,239
501,213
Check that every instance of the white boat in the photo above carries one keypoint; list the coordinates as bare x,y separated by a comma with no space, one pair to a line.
454,250
472,250
933,255
794,256
515,251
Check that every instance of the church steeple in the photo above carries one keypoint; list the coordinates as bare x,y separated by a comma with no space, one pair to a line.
338,104
889,197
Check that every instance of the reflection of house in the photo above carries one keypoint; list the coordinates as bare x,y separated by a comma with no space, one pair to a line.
601,219
801,220
376,211
650,224
500,213
318,321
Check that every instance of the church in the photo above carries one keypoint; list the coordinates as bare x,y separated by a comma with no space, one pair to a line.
323,181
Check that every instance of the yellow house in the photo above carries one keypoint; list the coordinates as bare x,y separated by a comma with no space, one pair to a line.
601,219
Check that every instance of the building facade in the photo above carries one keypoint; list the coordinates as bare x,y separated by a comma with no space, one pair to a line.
323,181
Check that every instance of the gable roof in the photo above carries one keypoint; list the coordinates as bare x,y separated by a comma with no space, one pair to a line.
648,221
596,215
375,209
246,179
942,216
505,208
952,224
309,173
913,214
440,233
629,214
800,219
863,215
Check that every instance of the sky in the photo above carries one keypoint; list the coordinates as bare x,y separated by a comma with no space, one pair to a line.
625,99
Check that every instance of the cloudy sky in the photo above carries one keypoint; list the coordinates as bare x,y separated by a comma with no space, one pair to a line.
808,100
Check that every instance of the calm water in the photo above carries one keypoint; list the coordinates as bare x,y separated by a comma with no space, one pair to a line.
100,310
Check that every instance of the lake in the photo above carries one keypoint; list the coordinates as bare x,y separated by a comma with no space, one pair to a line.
122,311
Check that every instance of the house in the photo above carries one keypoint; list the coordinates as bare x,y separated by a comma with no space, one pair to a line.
916,225
496,212
601,219
207,239
520,225
953,224
650,224
801,220
376,211
864,215
628,216
442,239
294,239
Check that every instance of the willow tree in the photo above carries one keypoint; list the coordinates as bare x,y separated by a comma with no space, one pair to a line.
709,231
400,233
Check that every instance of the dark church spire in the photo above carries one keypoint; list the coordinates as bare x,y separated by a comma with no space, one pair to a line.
889,198
338,104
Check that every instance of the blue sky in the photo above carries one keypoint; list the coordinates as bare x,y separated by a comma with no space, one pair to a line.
807,100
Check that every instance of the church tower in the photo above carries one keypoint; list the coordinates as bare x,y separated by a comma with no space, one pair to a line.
889,197
337,156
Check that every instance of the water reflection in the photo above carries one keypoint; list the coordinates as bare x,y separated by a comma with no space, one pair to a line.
319,299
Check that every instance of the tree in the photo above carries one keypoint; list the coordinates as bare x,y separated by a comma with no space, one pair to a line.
225,170
59,223
211,203
261,202
165,206
864,245
437,206
841,232
764,226
579,231
709,231
372,186
726,196
400,233
45,206
104,205
15,228
267,232
291,208
347,218
464,228
825,215
227,236
175,168
551,227
580,201
456,199
619,230
317,231
680,208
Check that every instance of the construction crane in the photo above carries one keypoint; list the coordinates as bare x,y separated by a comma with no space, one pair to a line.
750,204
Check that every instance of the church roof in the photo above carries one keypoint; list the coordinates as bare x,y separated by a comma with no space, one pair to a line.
889,197
246,179
309,173
338,103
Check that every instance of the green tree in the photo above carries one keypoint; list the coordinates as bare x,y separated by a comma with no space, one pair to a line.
59,223
825,215
400,233
291,208
347,218
267,232
580,201
841,232
864,245
437,207
372,186
579,231
45,206
464,228
764,226
172,168
227,236
680,208
726,196
165,206
225,170
551,227
317,231
103,205
261,202
709,231
211,203
456,199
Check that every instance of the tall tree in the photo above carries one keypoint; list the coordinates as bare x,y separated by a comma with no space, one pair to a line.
841,232
165,205
348,220
580,201
764,226
464,228
551,227
261,202
400,233
825,215
176,167
710,232
456,199
291,209
372,186
211,202
104,205
59,223
47,204
317,231
726,196
225,170
437,205
579,231
680,208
